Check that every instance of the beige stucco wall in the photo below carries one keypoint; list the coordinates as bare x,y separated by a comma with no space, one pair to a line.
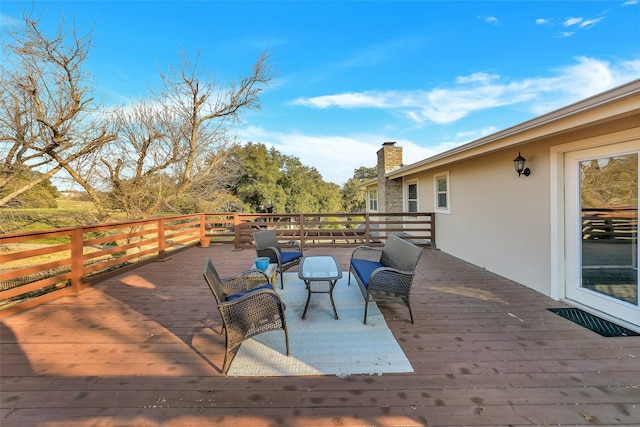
496,218
500,221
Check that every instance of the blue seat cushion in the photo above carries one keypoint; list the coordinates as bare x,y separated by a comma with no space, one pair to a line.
286,257
364,268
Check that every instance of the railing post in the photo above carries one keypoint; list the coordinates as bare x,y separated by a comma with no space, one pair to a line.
302,237
367,230
433,229
236,230
161,243
77,259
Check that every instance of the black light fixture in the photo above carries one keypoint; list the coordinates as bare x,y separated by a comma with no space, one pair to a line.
518,162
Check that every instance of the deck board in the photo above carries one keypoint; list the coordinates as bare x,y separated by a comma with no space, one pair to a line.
143,348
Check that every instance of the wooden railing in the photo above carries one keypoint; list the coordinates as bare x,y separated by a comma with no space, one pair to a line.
38,266
610,224
339,230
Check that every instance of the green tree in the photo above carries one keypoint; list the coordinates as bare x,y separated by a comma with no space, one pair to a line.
258,183
41,195
353,196
303,185
269,177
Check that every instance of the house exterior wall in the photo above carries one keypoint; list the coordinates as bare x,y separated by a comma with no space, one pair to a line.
528,228
503,222
497,220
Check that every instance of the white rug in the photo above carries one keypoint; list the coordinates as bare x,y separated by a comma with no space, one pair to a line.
320,344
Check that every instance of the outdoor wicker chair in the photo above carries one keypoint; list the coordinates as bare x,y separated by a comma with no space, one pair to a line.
248,306
385,274
267,245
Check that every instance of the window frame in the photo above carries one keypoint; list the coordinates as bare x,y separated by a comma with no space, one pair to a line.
416,200
437,193
371,200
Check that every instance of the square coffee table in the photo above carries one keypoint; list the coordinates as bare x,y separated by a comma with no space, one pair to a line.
320,274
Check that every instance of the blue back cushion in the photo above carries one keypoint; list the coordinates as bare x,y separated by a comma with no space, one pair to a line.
364,268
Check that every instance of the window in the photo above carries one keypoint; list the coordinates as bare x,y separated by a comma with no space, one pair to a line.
373,200
442,193
412,197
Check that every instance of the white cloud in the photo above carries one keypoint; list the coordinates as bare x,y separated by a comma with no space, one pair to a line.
630,2
590,22
477,78
412,153
481,91
581,23
572,21
576,23
472,135
491,20
335,157
449,105
587,77
344,100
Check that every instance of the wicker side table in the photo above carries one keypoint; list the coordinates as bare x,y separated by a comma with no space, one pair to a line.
271,273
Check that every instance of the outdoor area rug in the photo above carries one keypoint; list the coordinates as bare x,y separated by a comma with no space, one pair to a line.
320,344
594,323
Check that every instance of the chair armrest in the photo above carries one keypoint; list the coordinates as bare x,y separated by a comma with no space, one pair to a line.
388,279
271,252
260,294
244,281
367,253
259,304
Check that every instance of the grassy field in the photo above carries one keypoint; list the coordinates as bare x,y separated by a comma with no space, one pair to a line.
69,213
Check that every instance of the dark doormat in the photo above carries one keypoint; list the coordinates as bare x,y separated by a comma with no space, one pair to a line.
594,323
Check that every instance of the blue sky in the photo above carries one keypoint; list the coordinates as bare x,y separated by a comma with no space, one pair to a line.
351,75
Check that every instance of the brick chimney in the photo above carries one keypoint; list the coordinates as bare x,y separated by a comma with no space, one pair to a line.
389,191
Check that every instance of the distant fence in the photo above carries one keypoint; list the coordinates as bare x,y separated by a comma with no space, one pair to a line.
36,267
610,224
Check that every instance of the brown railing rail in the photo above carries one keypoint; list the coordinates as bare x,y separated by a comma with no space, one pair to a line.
617,225
338,230
38,266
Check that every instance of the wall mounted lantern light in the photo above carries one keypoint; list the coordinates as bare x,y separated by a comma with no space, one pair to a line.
518,162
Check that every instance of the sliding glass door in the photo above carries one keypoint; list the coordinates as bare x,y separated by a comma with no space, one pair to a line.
601,219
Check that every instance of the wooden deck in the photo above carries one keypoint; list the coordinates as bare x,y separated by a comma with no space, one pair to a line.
142,349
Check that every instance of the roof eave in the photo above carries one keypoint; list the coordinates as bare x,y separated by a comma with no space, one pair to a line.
520,133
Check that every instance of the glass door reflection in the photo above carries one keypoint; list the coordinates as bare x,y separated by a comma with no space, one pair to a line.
609,209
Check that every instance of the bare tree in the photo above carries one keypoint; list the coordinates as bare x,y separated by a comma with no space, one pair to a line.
172,152
48,118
